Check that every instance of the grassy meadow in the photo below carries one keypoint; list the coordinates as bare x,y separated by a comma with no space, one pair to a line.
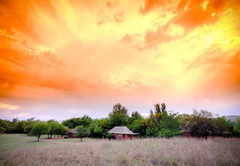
23,150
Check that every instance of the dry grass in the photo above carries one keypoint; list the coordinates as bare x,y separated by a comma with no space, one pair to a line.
175,151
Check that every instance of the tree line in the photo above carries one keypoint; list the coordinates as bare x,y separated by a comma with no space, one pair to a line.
159,123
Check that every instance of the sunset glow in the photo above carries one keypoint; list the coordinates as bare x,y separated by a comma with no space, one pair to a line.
10,107
63,59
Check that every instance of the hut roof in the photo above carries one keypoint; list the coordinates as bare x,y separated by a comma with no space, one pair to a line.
121,130
74,131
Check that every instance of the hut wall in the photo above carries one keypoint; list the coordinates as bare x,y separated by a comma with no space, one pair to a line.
118,136
123,136
71,135
127,136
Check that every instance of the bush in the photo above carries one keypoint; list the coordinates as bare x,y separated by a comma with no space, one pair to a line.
236,132
1,129
169,133
236,129
109,136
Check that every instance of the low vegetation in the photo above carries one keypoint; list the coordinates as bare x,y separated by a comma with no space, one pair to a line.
154,151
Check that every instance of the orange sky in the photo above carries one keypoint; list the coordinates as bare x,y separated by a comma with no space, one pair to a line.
62,59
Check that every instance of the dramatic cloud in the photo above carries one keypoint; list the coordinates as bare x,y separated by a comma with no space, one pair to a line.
193,13
150,5
60,59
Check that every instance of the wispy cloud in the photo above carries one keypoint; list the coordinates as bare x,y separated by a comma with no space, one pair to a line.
8,107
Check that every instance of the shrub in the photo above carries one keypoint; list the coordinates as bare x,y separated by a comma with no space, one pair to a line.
236,129
169,133
109,136
1,129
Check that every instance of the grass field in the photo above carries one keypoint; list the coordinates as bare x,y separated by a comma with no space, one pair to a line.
24,150
10,142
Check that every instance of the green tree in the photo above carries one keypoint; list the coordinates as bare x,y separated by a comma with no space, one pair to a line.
15,120
31,119
82,132
73,122
1,129
61,130
169,125
198,124
158,114
28,128
98,130
104,125
84,121
66,130
53,128
221,127
118,116
39,129
92,126
236,129
150,132
3,123
155,118
139,126
169,121
136,115
99,127
20,125
151,120
16,126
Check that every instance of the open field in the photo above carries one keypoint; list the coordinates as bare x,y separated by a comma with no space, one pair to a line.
23,150
10,142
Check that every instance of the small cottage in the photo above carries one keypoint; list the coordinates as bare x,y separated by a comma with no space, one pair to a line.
122,133
73,133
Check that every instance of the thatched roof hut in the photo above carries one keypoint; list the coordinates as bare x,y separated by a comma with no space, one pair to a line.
122,132
73,133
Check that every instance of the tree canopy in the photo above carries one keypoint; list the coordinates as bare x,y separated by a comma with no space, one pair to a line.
39,129
82,131
118,116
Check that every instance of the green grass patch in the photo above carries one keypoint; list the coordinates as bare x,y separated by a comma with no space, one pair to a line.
10,142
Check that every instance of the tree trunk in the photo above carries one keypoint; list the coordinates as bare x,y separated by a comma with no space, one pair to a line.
81,138
38,137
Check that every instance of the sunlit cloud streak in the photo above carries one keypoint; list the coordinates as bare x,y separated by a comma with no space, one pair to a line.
59,56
